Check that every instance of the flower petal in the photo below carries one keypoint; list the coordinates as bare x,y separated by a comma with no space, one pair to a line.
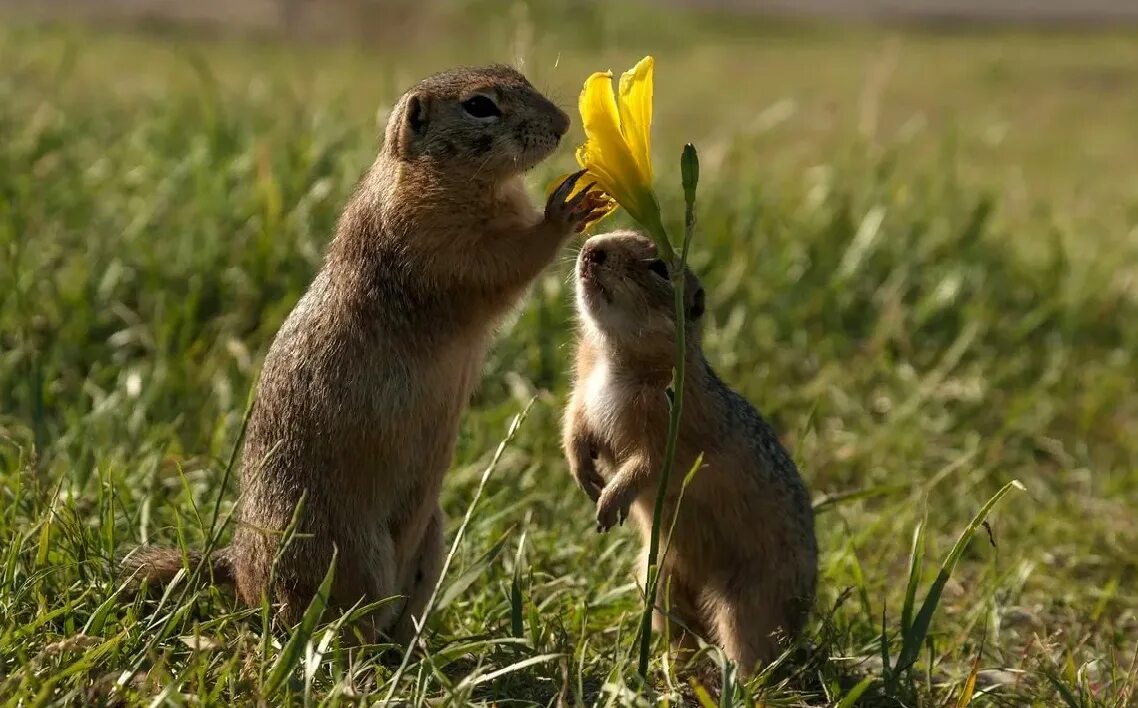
592,159
605,152
599,115
635,108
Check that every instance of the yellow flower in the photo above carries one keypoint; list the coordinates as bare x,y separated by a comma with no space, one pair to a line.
617,153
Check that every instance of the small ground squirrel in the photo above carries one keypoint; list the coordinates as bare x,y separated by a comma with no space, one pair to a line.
742,566
359,399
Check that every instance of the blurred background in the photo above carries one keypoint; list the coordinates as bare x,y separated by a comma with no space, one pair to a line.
1012,83
339,17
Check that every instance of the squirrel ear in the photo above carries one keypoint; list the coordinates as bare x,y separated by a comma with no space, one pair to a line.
416,114
408,127
697,305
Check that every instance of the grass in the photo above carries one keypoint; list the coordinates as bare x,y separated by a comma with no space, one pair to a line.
920,255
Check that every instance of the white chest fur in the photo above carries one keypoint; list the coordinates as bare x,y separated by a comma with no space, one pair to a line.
604,396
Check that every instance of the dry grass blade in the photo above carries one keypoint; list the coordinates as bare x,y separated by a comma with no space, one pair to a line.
965,698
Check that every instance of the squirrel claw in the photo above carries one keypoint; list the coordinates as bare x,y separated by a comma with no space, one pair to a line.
561,194
569,211
612,511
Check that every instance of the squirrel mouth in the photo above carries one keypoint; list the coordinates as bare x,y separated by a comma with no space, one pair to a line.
591,284
533,152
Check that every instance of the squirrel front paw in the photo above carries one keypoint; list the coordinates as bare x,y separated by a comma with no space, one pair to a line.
589,480
571,213
613,506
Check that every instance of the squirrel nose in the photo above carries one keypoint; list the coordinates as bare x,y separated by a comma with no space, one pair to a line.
560,122
595,255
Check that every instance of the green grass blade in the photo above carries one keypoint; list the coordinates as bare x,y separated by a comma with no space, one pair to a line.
915,637
517,626
512,668
886,662
294,649
831,500
916,560
511,433
680,502
850,699
1064,691
475,571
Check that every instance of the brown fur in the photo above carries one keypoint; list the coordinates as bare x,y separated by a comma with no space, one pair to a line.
358,404
162,564
742,566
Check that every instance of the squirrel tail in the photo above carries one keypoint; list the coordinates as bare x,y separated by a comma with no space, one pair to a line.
157,566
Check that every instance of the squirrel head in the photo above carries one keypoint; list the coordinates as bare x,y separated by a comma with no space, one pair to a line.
484,123
625,294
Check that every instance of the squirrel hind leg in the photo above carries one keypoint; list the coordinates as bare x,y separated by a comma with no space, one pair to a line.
678,614
428,563
746,628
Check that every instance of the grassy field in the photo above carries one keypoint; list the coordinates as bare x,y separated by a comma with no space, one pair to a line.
921,257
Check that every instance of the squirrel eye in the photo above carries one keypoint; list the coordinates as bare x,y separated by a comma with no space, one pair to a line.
480,106
659,268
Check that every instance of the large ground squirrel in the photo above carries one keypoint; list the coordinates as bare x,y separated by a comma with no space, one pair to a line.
742,566
358,403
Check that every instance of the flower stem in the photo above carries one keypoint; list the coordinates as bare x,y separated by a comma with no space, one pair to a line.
690,169
676,401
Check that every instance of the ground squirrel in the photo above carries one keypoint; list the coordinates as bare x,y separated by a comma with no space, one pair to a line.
359,399
742,566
